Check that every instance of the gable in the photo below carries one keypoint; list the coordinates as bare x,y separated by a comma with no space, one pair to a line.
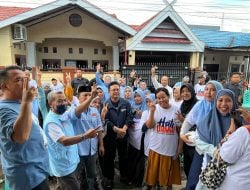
166,31
59,5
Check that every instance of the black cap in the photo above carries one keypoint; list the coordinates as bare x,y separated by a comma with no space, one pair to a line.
84,89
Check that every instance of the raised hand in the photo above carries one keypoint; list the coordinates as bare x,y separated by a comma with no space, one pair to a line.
68,78
151,106
153,69
98,67
38,76
244,113
104,110
28,93
94,92
179,116
132,73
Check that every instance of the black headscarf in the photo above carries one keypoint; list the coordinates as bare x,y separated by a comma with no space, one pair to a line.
187,105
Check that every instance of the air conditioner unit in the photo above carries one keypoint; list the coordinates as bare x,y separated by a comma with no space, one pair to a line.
20,32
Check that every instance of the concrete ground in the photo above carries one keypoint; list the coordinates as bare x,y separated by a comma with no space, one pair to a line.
117,184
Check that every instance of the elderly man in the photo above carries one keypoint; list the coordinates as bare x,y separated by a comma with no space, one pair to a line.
164,82
63,151
23,146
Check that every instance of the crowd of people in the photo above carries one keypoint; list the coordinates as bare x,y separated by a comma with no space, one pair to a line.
77,130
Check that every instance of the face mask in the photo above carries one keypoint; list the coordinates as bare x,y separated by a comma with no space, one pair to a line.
60,109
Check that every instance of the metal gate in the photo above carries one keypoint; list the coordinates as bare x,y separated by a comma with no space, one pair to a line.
175,71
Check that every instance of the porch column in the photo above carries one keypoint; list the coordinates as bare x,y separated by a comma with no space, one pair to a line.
131,57
31,54
195,60
115,58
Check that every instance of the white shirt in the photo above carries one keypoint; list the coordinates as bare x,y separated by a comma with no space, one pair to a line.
164,139
57,88
159,85
135,134
199,90
236,151
148,133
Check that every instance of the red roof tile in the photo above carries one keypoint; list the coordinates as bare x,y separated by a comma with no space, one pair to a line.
7,12
165,40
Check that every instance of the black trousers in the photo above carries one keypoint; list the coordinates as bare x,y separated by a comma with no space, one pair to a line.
111,145
136,165
68,182
188,153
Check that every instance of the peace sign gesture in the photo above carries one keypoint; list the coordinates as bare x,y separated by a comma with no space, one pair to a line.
38,76
68,77
104,110
28,93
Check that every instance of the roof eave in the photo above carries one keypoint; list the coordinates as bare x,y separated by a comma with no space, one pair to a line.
60,3
33,12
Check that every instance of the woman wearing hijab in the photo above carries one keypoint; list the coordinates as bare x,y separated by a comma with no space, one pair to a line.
200,110
128,94
215,126
189,100
135,134
236,152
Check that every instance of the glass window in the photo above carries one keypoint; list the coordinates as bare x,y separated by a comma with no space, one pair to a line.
45,50
70,50
54,50
80,50
95,51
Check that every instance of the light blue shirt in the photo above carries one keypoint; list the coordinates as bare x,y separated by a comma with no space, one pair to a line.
25,165
63,159
103,85
89,120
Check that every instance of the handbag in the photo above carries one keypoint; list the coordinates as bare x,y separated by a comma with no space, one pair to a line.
214,173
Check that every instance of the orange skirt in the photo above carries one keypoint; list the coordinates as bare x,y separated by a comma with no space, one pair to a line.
162,170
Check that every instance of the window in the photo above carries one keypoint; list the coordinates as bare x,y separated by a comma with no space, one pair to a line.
80,50
76,63
51,64
95,51
54,50
45,50
70,50
75,20
104,51
104,64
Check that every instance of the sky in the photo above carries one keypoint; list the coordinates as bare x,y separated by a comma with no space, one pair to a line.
230,15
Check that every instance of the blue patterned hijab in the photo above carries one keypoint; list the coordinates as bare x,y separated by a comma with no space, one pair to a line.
214,127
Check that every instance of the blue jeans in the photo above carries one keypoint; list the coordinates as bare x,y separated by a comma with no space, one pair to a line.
195,170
